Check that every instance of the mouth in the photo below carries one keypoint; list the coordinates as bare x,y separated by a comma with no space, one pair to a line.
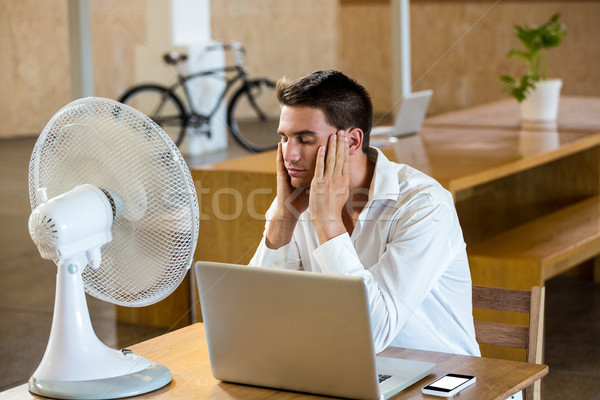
295,171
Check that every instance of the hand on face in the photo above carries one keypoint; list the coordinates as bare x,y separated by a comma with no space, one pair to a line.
312,172
330,187
291,201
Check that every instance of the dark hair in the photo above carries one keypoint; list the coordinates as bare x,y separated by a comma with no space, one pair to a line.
345,103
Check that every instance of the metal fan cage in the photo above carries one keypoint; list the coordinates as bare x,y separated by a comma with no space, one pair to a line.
118,149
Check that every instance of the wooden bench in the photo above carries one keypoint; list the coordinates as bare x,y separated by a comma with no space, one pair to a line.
532,253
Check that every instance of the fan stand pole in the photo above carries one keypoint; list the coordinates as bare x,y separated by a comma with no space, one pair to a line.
76,364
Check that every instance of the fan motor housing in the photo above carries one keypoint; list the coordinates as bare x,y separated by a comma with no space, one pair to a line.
72,223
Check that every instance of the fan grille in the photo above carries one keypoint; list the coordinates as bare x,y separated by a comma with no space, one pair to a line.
120,150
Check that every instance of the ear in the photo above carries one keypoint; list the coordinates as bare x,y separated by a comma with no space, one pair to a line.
355,139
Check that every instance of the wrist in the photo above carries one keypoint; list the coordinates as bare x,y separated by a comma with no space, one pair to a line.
328,230
280,231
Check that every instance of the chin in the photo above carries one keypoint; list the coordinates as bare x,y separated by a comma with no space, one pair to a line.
300,183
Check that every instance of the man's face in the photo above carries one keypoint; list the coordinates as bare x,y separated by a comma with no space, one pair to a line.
303,130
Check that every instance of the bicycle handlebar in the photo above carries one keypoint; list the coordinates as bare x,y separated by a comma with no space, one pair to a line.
237,48
234,46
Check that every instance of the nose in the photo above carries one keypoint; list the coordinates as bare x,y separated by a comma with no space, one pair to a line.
291,153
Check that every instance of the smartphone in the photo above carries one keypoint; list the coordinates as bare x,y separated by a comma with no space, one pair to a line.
448,385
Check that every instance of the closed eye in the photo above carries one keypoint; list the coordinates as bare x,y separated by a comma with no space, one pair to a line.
303,137
305,140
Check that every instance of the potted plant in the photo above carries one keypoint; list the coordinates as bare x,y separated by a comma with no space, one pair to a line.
537,94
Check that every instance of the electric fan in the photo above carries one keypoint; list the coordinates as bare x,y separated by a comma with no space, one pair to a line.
114,206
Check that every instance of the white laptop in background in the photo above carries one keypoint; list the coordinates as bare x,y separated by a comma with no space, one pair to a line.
298,331
410,117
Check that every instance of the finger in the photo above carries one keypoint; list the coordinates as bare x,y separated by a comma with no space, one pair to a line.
346,163
341,152
346,156
331,155
282,178
320,164
279,155
280,163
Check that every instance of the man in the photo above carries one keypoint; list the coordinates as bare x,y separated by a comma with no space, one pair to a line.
343,208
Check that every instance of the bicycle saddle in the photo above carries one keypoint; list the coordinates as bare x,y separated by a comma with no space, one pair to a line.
174,58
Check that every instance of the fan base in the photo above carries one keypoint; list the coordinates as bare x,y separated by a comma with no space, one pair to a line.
152,378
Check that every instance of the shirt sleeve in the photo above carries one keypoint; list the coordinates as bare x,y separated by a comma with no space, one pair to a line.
422,243
285,257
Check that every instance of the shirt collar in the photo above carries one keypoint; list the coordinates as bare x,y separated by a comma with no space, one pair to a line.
384,184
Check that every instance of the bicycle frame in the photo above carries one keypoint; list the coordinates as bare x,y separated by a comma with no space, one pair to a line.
250,108
182,80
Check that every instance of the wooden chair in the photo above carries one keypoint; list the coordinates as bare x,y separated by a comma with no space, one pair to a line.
508,335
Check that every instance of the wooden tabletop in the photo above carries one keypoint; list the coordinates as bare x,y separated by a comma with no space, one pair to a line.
506,114
466,148
185,353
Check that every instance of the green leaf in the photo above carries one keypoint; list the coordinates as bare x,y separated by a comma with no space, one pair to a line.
536,41
518,89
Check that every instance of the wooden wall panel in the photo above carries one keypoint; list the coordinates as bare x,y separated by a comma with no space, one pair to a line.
34,67
365,48
468,45
282,37
459,47
34,64
118,27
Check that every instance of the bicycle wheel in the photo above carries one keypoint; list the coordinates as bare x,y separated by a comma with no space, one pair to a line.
161,105
253,115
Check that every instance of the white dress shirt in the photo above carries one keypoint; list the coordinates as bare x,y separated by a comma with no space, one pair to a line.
408,247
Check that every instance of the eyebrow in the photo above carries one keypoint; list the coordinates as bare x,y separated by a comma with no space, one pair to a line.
298,133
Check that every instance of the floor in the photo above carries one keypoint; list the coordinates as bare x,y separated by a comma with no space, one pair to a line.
27,286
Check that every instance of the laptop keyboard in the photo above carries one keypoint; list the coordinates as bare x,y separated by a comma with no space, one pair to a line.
384,377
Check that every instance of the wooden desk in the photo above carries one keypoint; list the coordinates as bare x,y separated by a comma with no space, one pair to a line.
185,353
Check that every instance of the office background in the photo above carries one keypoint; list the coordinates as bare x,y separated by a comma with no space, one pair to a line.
458,49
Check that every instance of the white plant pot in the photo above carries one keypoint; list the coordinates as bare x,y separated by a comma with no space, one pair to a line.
542,103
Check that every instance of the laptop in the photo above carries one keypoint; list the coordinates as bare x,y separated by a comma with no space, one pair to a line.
410,117
298,331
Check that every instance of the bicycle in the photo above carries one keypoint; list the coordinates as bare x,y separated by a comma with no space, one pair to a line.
252,112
